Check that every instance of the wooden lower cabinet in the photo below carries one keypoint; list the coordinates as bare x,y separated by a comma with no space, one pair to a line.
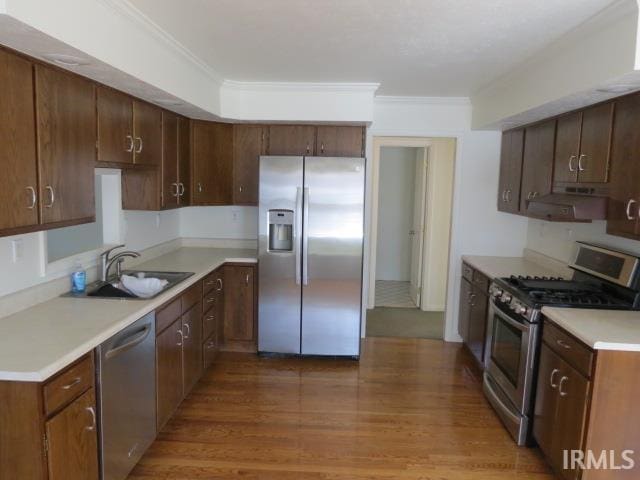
240,327
472,312
191,348
464,309
168,371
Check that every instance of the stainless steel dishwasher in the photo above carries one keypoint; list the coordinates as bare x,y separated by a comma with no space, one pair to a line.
126,373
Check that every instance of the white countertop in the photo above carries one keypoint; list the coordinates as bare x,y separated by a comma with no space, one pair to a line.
495,267
599,329
40,341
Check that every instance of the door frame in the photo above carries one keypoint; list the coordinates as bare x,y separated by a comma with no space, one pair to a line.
378,143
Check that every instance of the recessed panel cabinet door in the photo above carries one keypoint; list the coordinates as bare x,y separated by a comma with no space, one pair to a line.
239,304
73,441
477,323
192,348
19,180
147,134
537,163
170,187
334,141
464,309
567,148
66,126
624,191
212,152
249,143
544,427
169,371
115,127
593,162
184,161
510,171
292,140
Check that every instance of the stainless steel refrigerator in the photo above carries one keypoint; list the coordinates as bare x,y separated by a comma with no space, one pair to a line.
310,241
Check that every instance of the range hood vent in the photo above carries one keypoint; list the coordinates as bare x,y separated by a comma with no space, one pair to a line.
566,207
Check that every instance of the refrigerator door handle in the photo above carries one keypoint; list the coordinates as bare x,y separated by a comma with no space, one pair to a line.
298,231
305,238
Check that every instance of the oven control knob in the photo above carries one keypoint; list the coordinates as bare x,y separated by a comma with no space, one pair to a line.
521,309
505,298
496,292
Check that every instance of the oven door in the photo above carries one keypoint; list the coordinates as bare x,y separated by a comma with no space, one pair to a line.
511,349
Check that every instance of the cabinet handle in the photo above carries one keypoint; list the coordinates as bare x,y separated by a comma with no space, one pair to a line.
322,147
508,196
188,332
580,166
240,188
210,282
179,332
139,149
177,189
73,383
628,210
199,187
219,281
562,380
571,160
92,411
529,195
129,149
211,300
210,318
472,297
553,374
32,193
210,345
246,279
308,148
181,189
504,196
52,196
563,344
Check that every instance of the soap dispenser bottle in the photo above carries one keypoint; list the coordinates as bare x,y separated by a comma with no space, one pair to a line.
78,278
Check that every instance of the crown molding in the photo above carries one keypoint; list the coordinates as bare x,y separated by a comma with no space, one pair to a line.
300,87
125,9
399,100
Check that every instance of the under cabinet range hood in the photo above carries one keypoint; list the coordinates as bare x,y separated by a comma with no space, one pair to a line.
568,207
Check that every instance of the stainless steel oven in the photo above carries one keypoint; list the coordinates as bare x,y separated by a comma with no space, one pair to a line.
510,364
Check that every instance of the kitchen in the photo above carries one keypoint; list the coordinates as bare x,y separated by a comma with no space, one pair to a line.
162,153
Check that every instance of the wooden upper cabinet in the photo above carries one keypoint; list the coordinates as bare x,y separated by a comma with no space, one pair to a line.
510,171
249,143
212,155
184,161
73,441
19,181
624,191
141,189
583,143
537,163
147,134
292,140
115,126
333,141
170,187
66,126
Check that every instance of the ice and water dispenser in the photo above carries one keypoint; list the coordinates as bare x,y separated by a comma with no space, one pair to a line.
281,230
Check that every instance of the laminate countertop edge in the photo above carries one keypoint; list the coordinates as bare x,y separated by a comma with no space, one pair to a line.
38,342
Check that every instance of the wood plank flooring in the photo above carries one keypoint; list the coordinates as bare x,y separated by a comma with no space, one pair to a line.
410,409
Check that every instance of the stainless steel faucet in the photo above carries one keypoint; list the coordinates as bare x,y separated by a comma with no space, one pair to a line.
107,261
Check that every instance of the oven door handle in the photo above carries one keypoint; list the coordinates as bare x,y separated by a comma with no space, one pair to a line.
509,320
512,416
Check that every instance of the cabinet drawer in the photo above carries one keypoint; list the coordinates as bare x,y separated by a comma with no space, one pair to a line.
209,301
209,322
467,272
209,349
168,314
191,296
209,282
571,350
66,386
481,281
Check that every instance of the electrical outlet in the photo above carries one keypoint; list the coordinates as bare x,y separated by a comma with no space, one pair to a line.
157,220
235,216
17,250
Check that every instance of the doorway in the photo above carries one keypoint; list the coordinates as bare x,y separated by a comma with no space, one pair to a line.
409,236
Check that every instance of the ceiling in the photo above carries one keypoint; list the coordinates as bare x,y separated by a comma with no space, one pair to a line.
410,47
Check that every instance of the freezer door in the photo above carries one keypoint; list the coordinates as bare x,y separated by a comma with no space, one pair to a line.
333,223
279,254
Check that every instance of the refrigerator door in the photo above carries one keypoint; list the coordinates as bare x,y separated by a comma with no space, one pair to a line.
333,224
279,254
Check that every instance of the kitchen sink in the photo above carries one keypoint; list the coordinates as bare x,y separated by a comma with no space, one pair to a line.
111,288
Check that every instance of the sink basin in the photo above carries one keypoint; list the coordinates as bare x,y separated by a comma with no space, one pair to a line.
110,289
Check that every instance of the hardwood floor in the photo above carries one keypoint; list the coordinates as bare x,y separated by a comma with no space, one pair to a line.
411,409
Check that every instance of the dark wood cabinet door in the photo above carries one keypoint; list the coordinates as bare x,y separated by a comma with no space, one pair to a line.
544,423
248,144
292,139
73,441
477,323
510,171
569,425
537,163
169,371
334,141
595,144
192,348
464,309
212,153
170,187
19,181
141,189
624,192
147,134
239,318
115,126
66,126
567,148
184,161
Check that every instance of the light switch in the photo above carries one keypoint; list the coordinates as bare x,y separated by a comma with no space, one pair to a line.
17,250
235,215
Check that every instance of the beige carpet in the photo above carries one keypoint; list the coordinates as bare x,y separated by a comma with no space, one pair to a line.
404,322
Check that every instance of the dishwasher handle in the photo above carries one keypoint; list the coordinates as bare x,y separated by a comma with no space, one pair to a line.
136,339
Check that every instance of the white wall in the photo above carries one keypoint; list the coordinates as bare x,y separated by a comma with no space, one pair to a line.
240,223
395,213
